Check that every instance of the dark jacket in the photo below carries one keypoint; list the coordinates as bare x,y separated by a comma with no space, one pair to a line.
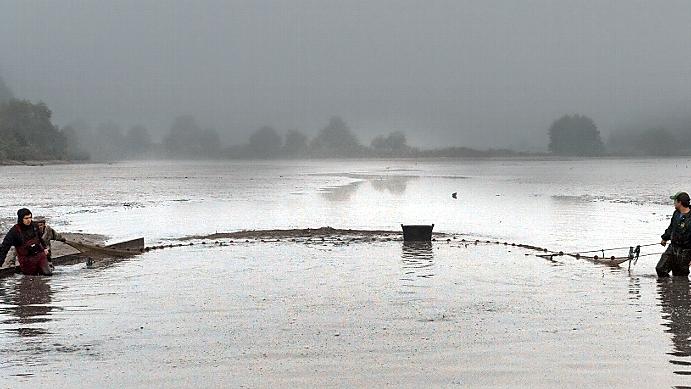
16,236
679,230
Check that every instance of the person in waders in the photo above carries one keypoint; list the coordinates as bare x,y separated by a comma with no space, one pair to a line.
678,255
26,238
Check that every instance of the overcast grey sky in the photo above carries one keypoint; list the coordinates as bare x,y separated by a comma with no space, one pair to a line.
475,73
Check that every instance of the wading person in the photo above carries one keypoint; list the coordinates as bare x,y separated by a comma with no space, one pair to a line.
678,255
48,234
27,241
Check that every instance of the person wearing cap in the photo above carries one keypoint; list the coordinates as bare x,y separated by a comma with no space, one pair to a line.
32,253
678,255
48,234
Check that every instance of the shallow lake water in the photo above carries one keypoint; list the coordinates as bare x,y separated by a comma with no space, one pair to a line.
359,314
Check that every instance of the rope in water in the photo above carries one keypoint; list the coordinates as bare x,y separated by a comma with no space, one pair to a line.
550,253
612,249
645,255
633,255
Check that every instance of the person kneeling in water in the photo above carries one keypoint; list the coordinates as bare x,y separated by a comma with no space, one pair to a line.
32,252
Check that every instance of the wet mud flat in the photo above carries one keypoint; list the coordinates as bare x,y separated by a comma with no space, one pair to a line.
321,232
376,314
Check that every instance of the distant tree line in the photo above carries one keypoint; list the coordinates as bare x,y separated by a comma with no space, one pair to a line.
108,141
659,141
184,140
335,140
577,135
27,133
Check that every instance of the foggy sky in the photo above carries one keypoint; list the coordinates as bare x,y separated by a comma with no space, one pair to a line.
472,73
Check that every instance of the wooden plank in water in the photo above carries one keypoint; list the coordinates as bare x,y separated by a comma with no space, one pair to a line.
129,244
122,249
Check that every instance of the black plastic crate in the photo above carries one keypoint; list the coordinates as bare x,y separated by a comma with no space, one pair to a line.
417,232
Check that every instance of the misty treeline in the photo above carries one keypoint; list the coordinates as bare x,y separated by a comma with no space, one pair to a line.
27,133
187,139
656,141
334,140
337,140
577,135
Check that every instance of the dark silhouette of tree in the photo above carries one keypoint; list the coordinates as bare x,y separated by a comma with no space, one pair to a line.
575,135
265,143
336,140
296,143
393,144
26,132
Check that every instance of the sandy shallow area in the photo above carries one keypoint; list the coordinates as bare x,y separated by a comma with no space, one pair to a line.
286,314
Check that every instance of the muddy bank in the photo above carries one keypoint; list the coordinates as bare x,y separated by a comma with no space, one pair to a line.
6,162
322,232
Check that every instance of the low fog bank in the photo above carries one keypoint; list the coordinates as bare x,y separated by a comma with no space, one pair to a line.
27,132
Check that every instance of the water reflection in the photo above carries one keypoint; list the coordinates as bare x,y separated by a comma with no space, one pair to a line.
417,261
675,301
634,288
341,193
395,185
29,302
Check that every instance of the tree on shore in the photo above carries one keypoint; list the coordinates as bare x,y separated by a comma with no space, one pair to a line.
336,140
26,132
575,135
394,144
